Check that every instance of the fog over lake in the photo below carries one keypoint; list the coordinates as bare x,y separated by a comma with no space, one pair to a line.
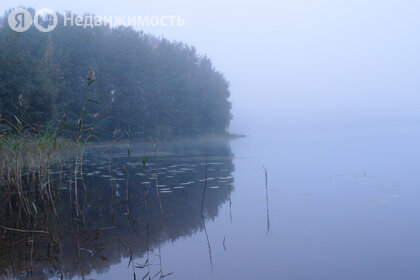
312,173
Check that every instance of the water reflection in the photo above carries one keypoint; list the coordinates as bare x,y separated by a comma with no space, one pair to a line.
123,210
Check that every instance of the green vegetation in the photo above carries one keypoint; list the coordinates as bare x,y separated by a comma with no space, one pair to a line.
27,156
28,152
63,88
143,84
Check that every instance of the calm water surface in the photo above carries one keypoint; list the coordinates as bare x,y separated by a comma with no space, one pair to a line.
342,205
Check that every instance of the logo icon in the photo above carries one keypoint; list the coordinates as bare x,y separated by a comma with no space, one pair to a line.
45,14
20,20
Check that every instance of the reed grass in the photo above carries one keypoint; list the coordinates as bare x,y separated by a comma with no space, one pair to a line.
21,154
26,159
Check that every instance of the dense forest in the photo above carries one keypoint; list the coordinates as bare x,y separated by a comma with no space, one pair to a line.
144,85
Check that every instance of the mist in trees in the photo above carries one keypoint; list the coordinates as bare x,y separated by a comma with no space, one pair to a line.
147,86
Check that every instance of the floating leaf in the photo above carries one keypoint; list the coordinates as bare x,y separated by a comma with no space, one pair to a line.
94,101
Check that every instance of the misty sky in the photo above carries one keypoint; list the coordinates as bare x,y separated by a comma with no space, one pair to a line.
301,63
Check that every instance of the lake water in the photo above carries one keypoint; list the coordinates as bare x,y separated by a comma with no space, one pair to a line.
341,205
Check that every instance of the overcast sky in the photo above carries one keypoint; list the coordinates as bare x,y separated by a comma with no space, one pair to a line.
301,63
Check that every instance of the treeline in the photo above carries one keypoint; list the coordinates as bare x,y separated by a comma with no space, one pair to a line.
144,85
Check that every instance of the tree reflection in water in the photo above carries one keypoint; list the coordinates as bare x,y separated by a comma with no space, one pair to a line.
114,222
